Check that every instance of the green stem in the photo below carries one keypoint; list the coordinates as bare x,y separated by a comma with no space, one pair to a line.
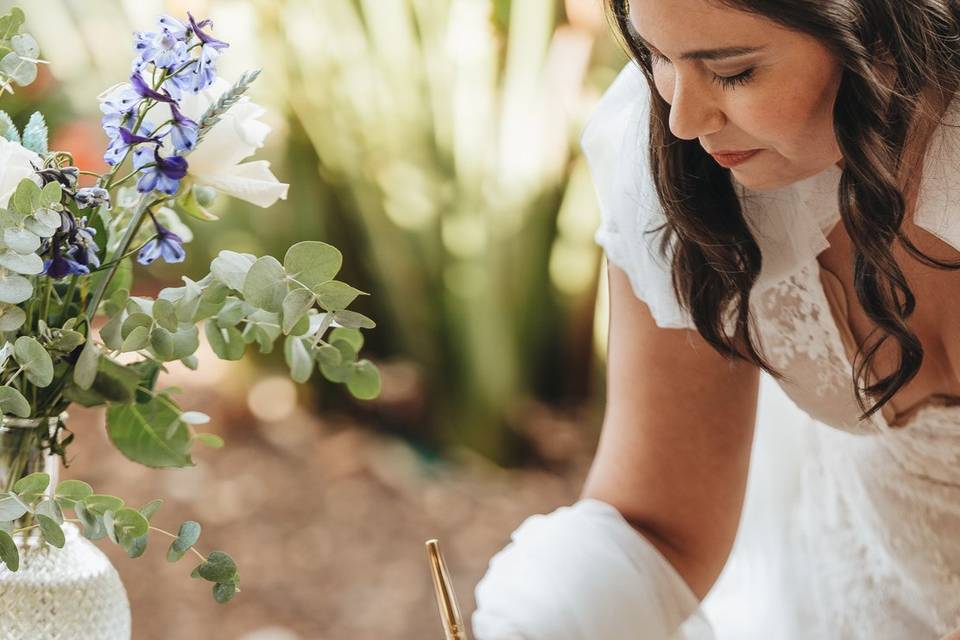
142,207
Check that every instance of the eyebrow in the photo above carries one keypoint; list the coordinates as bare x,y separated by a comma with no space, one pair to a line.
718,53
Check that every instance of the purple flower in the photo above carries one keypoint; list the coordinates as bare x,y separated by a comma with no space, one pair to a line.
162,48
183,131
203,69
165,173
166,244
118,106
87,197
205,38
144,91
124,139
59,266
83,249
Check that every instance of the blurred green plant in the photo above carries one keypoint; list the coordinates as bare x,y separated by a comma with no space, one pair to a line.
447,129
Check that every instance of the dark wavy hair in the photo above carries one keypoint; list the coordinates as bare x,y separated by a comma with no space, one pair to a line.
892,52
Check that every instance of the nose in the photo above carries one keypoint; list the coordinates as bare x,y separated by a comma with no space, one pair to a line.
694,113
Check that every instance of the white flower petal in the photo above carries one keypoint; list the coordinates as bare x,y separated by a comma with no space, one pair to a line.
14,166
250,181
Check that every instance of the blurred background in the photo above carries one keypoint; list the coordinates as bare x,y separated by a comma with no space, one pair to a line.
435,143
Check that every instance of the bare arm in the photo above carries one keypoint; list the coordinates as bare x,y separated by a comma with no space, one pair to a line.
675,447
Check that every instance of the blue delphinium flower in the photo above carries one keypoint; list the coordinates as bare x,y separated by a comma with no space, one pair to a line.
118,146
164,174
83,249
60,265
161,48
209,52
144,91
166,244
183,131
89,197
118,107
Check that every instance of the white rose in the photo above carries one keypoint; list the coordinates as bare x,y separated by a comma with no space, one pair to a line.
15,165
216,162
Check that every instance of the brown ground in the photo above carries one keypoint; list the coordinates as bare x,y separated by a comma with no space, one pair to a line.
327,522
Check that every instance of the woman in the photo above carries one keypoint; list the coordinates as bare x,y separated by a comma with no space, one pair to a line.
781,195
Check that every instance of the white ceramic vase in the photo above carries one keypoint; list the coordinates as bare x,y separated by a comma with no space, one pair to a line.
73,593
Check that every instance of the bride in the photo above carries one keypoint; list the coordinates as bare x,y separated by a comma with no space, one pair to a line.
779,183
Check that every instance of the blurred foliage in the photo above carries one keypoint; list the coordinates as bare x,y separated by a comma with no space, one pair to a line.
435,141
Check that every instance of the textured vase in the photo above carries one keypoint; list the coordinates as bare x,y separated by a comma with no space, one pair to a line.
73,593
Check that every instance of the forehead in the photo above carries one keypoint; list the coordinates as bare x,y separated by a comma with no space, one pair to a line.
672,25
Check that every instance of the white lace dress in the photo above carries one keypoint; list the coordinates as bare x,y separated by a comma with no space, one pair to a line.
851,528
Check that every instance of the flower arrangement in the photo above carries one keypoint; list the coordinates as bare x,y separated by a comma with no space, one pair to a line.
178,137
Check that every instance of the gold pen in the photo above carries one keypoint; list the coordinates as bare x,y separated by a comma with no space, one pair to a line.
453,626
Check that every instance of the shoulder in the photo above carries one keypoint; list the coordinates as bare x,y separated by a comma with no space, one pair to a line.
615,142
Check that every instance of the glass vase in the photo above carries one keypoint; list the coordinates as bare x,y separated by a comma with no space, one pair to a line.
70,593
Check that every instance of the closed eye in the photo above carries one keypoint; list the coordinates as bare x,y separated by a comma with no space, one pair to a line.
727,82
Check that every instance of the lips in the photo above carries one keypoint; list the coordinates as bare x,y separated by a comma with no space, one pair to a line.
733,158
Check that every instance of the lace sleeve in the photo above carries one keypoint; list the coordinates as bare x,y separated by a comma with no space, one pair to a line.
615,143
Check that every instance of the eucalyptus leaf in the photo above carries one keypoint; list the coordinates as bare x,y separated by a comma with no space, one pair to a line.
352,336
295,306
27,264
227,343
18,69
8,551
312,263
298,359
138,339
223,592
25,45
129,523
11,317
185,342
21,240
266,284
26,197
13,402
36,362
219,567
11,507
231,268
85,371
100,503
187,537
151,508
31,486
335,295
73,490
161,341
50,508
14,288
110,332
165,314
353,320
51,531
364,384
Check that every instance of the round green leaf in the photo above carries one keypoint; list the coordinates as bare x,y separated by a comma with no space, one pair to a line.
364,384
312,263
187,537
73,490
298,359
11,318
223,592
12,401
353,320
14,288
351,336
29,487
161,341
21,240
51,509
295,306
8,551
99,503
129,523
266,284
34,359
11,507
231,268
85,371
336,295
219,567
51,531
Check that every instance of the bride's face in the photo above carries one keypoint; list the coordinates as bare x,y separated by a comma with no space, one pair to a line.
738,82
